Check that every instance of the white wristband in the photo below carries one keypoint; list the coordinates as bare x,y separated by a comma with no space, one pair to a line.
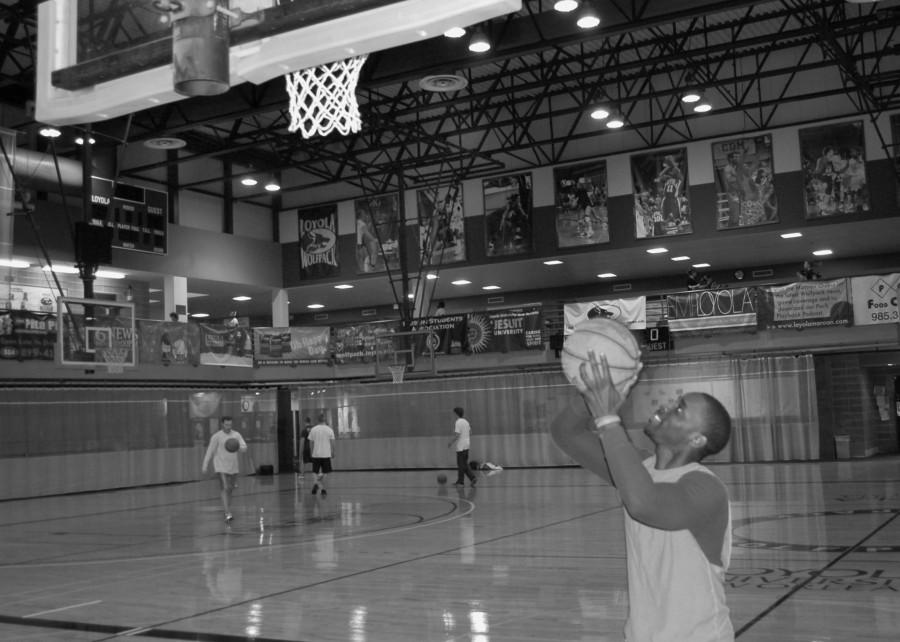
606,420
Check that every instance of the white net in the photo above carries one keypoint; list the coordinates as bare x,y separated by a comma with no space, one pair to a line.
323,98
397,373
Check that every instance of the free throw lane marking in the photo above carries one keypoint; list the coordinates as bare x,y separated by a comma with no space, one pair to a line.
62,608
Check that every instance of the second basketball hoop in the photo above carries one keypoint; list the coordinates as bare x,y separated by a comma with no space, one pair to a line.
323,98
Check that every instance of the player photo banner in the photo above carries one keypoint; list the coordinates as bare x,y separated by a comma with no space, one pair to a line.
26,335
377,233
807,304
661,204
582,217
507,215
168,343
631,313
745,182
709,311
448,333
442,237
225,345
834,170
504,330
291,346
875,299
317,228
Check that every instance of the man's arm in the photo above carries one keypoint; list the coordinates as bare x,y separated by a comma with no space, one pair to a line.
210,449
571,430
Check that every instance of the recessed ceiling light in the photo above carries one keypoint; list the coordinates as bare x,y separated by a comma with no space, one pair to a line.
490,287
461,282
108,274
681,258
700,265
791,235
199,315
455,32
606,275
657,250
315,306
565,6
553,262
241,298
822,252
15,263
60,269
343,286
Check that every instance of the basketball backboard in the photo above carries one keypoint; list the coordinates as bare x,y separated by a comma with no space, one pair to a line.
96,332
98,59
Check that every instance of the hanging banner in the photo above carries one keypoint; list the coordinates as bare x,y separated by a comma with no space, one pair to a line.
711,310
808,304
504,330
291,346
169,343
875,299
448,333
317,228
358,343
631,313
27,335
225,345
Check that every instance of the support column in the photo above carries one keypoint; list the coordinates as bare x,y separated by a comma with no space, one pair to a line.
281,315
175,297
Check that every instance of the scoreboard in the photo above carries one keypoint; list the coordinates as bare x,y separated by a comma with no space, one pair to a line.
137,216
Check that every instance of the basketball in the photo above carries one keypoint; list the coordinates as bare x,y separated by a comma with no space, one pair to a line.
232,445
607,337
442,478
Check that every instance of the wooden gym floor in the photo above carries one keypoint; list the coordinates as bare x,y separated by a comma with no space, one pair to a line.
526,555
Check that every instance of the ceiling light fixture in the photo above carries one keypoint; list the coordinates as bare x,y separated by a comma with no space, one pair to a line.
272,186
460,282
565,6
616,120
249,181
80,140
315,306
431,276
791,235
343,286
60,269
553,262
50,132
15,263
700,265
200,315
490,287
691,96
479,42
109,274
702,105
241,298
657,250
455,32
822,253
681,258
606,275
600,113
588,18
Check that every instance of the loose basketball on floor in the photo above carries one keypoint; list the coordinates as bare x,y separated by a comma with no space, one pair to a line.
442,478
606,337
232,445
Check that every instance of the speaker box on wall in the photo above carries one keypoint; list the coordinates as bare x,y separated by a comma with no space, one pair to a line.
93,244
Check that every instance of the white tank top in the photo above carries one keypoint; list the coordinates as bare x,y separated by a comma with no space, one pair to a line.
675,593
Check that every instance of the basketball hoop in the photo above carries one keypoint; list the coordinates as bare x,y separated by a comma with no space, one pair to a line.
397,373
323,98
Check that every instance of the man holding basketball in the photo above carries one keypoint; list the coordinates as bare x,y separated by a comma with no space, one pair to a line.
225,462
677,513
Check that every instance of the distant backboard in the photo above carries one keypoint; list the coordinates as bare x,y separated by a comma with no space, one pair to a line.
96,333
98,59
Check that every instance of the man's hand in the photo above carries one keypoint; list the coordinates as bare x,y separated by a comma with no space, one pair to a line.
596,386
